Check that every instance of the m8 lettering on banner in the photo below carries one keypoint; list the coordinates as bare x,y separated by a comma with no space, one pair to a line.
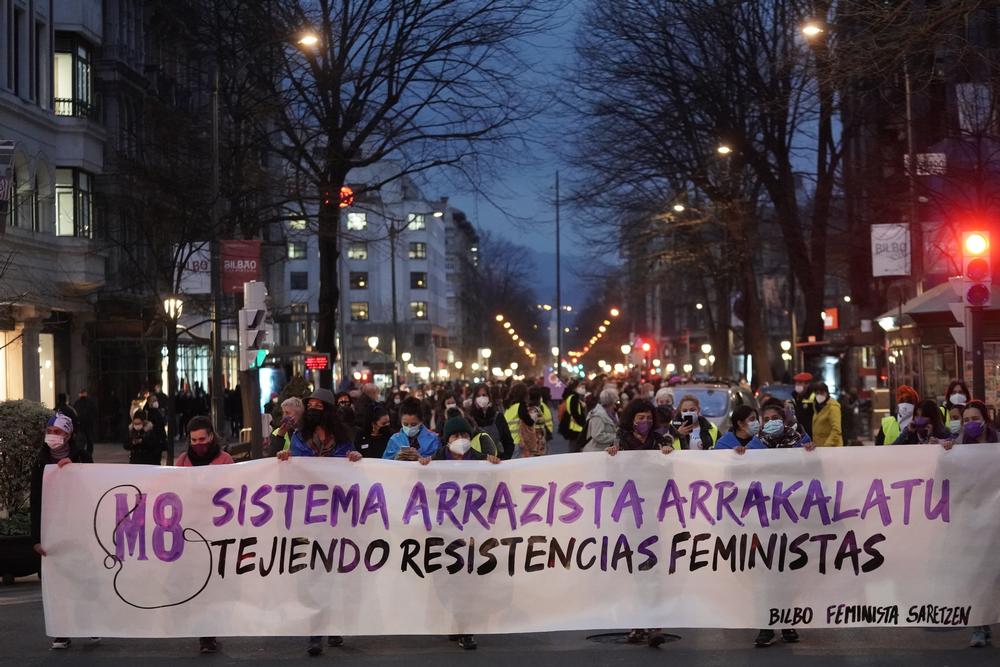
130,527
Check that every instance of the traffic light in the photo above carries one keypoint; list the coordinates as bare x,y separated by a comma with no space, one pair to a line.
254,330
977,269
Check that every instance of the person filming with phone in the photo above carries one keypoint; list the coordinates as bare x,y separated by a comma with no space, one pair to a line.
689,429
292,410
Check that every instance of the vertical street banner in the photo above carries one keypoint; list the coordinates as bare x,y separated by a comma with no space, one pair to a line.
240,264
840,537
890,250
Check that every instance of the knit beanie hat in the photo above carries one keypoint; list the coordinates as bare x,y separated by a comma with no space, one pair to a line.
62,422
457,425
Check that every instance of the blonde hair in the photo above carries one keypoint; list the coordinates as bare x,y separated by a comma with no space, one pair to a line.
692,398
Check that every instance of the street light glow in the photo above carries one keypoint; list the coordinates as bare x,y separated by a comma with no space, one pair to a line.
706,348
723,149
699,306
615,312
406,356
308,39
786,345
555,351
679,208
688,368
812,29
486,352
625,348
373,342
499,318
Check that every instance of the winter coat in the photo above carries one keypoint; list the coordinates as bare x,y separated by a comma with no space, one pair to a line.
826,424
37,473
426,442
601,430
145,446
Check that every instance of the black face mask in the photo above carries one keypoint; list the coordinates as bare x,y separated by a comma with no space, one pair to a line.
385,431
313,418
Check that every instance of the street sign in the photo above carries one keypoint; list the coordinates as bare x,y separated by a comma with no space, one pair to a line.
317,362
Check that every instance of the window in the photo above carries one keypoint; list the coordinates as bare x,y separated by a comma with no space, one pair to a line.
298,280
298,225
357,221
418,309
418,251
74,208
415,222
359,279
418,280
357,251
297,250
15,71
359,311
72,78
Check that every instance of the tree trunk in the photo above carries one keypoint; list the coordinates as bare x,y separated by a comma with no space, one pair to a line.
329,283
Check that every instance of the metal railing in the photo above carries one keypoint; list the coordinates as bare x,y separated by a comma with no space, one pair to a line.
72,107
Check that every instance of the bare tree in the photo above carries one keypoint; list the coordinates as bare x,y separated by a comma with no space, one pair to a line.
425,84
662,84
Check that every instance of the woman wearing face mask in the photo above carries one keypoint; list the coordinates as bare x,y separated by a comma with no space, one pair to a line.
976,430
803,400
690,429
906,402
664,402
373,443
602,422
393,406
777,431
321,433
954,423
746,425
143,442
463,443
485,414
926,427
447,402
203,449
59,448
957,395
534,435
826,424
638,430
292,409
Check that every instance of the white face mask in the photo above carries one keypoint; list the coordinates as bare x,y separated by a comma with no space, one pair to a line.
54,440
955,425
582,391
692,414
958,399
460,446
449,406
799,388
482,401
904,412
821,398
534,414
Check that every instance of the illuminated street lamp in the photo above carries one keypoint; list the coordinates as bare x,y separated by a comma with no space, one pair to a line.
786,345
513,365
486,352
678,208
812,29
308,39
555,351
475,366
688,368
656,363
173,306
373,342
699,306
458,365
671,367
706,348
625,348
499,318
723,149
615,312
703,362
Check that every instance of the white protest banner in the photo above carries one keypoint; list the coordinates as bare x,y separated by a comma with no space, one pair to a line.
888,536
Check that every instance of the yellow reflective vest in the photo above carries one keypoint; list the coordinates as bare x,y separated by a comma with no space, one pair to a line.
513,423
573,426
890,430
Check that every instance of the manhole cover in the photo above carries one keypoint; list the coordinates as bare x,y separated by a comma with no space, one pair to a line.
622,638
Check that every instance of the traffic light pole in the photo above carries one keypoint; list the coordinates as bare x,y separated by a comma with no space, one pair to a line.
978,365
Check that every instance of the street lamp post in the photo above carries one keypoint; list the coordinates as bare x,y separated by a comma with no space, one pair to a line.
173,306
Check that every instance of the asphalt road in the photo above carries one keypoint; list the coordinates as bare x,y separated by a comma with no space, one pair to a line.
23,643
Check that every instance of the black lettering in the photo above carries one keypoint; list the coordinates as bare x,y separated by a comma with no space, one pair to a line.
622,550
264,571
432,551
486,551
410,550
676,553
327,558
643,549
243,555
695,551
376,544
511,543
223,547
294,555
457,562
579,554
801,557
556,553
341,566
876,558
534,552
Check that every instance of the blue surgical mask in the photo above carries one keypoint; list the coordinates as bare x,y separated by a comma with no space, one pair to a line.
753,427
774,427
410,431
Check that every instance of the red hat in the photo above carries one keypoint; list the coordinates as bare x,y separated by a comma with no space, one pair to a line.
803,377
907,394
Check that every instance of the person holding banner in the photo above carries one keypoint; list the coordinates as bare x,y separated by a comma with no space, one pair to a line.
745,427
602,422
638,430
690,429
413,440
906,402
203,449
926,426
779,430
292,410
60,449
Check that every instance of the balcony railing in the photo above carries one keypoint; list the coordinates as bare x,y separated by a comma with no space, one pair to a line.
75,108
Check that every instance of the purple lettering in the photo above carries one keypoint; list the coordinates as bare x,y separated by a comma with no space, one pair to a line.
130,527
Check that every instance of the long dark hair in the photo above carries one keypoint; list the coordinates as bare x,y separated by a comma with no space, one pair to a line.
332,424
929,408
740,414
634,407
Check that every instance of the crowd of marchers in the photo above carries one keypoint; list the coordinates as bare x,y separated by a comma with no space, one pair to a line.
497,421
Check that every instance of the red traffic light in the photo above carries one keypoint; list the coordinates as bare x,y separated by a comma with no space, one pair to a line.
645,347
977,269
977,243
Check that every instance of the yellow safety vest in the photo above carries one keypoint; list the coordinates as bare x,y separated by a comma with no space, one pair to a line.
547,418
713,431
573,426
477,445
513,423
890,430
